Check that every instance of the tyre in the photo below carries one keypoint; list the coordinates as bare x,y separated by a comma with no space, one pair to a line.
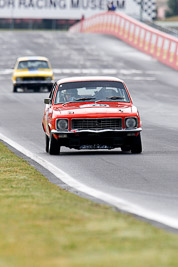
125,149
47,143
15,89
136,147
54,148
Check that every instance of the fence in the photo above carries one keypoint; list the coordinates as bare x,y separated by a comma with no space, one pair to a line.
153,42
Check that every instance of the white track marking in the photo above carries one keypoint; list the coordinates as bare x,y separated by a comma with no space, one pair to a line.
6,71
137,78
88,71
114,201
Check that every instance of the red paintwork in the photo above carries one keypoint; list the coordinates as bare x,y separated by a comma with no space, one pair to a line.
75,110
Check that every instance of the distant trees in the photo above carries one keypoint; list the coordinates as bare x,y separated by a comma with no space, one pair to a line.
173,8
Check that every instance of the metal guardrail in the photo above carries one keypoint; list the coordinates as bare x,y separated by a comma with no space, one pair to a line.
166,29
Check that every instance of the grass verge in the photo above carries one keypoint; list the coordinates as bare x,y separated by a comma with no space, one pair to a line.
174,18
43,225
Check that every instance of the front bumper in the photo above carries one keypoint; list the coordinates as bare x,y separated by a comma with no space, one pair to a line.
98,131
31,84
105,138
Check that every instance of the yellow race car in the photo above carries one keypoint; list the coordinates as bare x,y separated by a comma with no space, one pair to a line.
32,73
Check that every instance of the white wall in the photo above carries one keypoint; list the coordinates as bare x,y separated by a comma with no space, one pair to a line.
64,9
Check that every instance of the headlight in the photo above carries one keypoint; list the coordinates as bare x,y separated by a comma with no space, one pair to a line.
48,78
130,123
62,125
18,79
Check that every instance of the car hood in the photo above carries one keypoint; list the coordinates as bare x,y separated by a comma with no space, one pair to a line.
38,72
89,109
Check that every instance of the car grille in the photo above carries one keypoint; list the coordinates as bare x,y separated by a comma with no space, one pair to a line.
33,79
97,124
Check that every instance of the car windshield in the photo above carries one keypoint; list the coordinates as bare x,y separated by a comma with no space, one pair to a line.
33,64
89,91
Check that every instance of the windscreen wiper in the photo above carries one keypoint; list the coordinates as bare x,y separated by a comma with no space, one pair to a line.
68,102
115,97
84,98
79,99
111,98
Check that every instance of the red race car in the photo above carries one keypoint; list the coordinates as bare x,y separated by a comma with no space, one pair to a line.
91,113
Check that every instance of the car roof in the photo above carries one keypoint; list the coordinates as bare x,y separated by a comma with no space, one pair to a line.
88,78
32,58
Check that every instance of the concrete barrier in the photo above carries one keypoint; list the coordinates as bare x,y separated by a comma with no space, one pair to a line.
159,45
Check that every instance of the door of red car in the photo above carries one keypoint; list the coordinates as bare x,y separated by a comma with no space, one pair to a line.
48,110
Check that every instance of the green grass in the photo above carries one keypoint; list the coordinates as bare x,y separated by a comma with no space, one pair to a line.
174,18
42,225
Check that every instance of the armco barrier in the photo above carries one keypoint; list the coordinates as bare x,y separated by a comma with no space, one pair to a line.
159,45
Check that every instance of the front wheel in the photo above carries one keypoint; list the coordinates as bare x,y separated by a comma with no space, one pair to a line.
136,147
54,148
47,143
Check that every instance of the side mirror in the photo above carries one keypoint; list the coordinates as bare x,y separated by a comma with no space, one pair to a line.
47,101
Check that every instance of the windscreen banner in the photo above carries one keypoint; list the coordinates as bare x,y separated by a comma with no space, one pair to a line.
74,9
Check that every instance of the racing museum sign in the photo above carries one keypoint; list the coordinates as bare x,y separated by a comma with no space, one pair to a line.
66,9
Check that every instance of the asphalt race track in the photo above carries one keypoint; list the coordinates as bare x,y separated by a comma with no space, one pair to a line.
148,181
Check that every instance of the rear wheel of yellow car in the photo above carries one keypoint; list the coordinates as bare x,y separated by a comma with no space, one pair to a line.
54,148
15,89
125,148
